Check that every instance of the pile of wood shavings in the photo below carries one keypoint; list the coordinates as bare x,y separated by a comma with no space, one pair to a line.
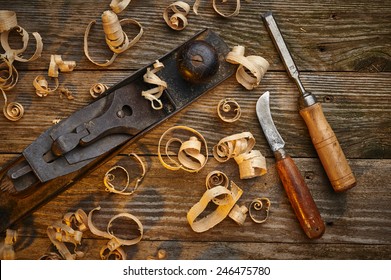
8,73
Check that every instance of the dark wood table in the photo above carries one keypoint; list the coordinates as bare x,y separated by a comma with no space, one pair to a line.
343,49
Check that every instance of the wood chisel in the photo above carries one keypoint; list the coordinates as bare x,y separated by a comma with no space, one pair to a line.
293,182
323,137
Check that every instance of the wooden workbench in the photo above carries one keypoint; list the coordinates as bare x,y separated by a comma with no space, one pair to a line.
343,49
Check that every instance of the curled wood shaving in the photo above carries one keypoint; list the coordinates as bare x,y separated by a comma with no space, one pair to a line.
110,177
161,255
97,90
258,205
189,157
8,74
57,63
8,20
233,146
40,83
16,54
41,86
51,256
221,211
217,10
251,68
214,179
239,146
69,230
155,93
229,107
119,5
117,254
116,38
77,219
238,214
8,247
175,15
13,111
234,13
252,164
113,247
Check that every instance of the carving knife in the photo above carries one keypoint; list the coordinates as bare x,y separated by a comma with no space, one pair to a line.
323,137
295,187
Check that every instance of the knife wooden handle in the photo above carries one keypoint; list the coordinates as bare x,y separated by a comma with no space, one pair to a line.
300,197
329,151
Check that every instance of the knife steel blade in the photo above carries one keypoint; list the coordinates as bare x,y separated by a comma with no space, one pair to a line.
265,119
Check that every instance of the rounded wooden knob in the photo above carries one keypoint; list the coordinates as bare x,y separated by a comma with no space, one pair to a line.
197,61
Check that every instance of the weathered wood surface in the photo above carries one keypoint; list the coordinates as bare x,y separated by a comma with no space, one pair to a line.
343,50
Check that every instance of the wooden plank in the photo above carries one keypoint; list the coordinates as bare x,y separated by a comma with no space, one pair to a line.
27,248
360,116
359,216
324,38
343,50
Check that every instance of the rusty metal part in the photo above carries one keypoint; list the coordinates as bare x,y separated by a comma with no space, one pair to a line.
101,129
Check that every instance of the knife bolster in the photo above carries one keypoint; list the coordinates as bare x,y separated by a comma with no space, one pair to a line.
280,154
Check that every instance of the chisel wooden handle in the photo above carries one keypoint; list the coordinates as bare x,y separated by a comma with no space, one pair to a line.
328,148
300,197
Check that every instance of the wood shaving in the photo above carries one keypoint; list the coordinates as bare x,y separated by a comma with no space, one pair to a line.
217,10
8,20
155,93
110,177
251,68
221,211
233,146
229,110
97,90
56,121
56,63
13,111
214,179
175,15
8,73
41,86
258,205
161,255
69,230
8,252
239,146
51,256
189,156
251,164
113,247
238,214
116,38
16,54
66,92
119,5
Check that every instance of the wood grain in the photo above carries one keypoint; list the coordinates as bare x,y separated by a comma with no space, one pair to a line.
359,116
343,50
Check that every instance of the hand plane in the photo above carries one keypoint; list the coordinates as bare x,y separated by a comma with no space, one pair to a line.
100,130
